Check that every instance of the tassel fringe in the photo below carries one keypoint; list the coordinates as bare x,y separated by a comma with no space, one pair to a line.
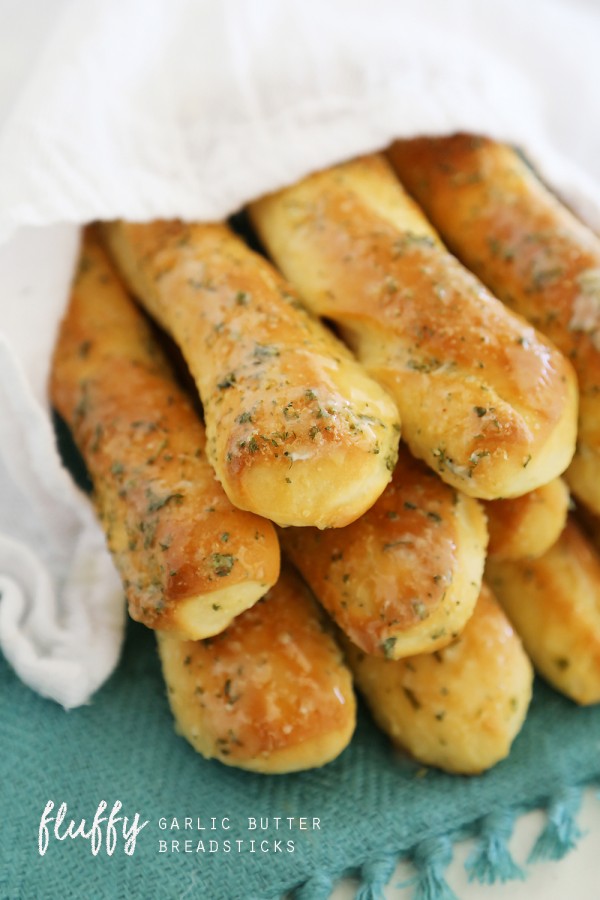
375,874
489,863
561,832
431,859
491,860
319,887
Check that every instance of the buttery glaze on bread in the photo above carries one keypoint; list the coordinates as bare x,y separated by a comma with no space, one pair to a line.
533,253
296,429
484,400
271,693
460,708
405,577
554,604
527,526
189,560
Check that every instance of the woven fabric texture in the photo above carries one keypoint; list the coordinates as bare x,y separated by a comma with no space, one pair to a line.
373,804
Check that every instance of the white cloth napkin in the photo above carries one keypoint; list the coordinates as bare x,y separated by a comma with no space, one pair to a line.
159,108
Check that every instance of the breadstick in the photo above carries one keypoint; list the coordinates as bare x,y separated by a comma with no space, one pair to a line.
296,430
484,400
189,561
590,524
529,249
527,526
405,577
554,604
271,693
460,708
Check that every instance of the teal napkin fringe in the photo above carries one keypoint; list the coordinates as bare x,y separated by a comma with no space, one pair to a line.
376,806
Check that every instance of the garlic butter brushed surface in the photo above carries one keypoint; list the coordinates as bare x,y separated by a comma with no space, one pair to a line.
271,694
499,218
460,708
296,429
485,400
554,604
189,560
405,577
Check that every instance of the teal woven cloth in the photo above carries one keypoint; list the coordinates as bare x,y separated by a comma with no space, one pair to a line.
374,805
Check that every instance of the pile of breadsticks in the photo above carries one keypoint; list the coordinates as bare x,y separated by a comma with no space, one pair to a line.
445,562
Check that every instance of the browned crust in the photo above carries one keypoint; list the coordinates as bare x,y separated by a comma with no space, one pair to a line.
554,604
296,429
271,693
484,399
405,577
532,252
174,535
459,708
527,526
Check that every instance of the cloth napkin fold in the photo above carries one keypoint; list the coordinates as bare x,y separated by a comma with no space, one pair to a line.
158,108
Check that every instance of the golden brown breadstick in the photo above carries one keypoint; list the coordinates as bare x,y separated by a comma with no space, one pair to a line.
527,526
590,524
459,708
189,560
554,604
271,693
529,249
484,400
405,577
296,430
